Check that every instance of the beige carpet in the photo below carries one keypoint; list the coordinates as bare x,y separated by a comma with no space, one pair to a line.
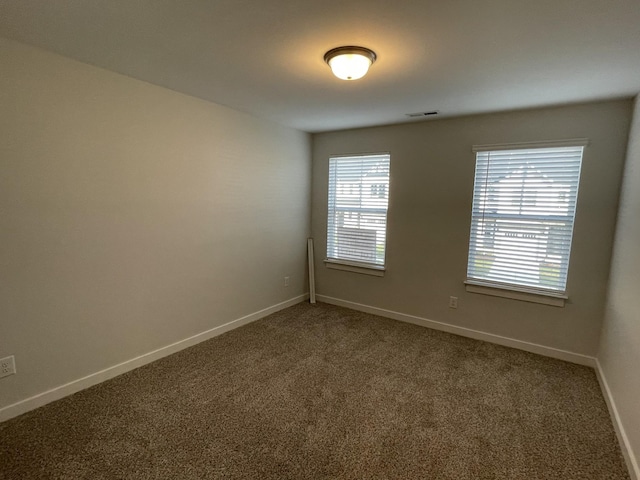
322,392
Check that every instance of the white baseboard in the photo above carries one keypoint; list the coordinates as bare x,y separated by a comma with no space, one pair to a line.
625,446
466,332
74,386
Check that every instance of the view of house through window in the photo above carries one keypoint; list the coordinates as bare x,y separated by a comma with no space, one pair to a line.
357,213
524,203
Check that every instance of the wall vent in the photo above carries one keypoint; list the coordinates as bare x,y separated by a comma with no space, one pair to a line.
423,114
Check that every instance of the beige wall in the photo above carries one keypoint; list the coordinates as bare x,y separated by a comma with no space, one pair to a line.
432,170
619,354
132,217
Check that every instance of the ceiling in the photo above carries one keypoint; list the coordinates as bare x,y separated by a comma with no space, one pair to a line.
265,57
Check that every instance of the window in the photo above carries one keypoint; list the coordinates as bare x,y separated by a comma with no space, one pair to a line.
357,210
524,203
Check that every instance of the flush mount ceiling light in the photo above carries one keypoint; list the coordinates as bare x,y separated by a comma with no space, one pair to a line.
350,63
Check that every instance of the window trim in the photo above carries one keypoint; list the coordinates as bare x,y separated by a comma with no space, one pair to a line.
571,142
516,292
513,291
355,267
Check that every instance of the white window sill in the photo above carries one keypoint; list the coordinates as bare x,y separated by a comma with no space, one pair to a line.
516,293
365,269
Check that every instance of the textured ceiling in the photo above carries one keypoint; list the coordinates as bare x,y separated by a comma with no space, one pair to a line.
264,57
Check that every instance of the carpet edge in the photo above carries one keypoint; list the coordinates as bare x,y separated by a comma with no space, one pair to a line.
545,351
623,440
74,386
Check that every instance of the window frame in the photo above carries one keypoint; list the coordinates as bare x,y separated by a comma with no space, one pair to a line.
513,290
345,264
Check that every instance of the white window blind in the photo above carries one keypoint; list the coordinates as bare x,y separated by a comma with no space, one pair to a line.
524,203
357,213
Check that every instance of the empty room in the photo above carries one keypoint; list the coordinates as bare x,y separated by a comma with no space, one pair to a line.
292,239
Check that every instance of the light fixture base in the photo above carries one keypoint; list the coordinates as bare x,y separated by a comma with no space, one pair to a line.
350,62
350,50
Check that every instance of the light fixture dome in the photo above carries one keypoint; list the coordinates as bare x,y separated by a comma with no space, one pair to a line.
350,63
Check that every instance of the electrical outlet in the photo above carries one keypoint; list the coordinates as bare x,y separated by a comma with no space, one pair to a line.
286,281
453,302
7,366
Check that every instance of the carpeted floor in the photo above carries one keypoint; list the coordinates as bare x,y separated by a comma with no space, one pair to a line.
317,392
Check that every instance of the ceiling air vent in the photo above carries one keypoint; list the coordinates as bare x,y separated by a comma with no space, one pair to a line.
423,114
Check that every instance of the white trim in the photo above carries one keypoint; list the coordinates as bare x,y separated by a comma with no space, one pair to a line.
466,332
74,386
625,446
359,154
516,288
375,270
312,271
570,142
495,290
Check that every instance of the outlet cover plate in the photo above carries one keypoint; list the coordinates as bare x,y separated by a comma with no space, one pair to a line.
453,302
7,366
